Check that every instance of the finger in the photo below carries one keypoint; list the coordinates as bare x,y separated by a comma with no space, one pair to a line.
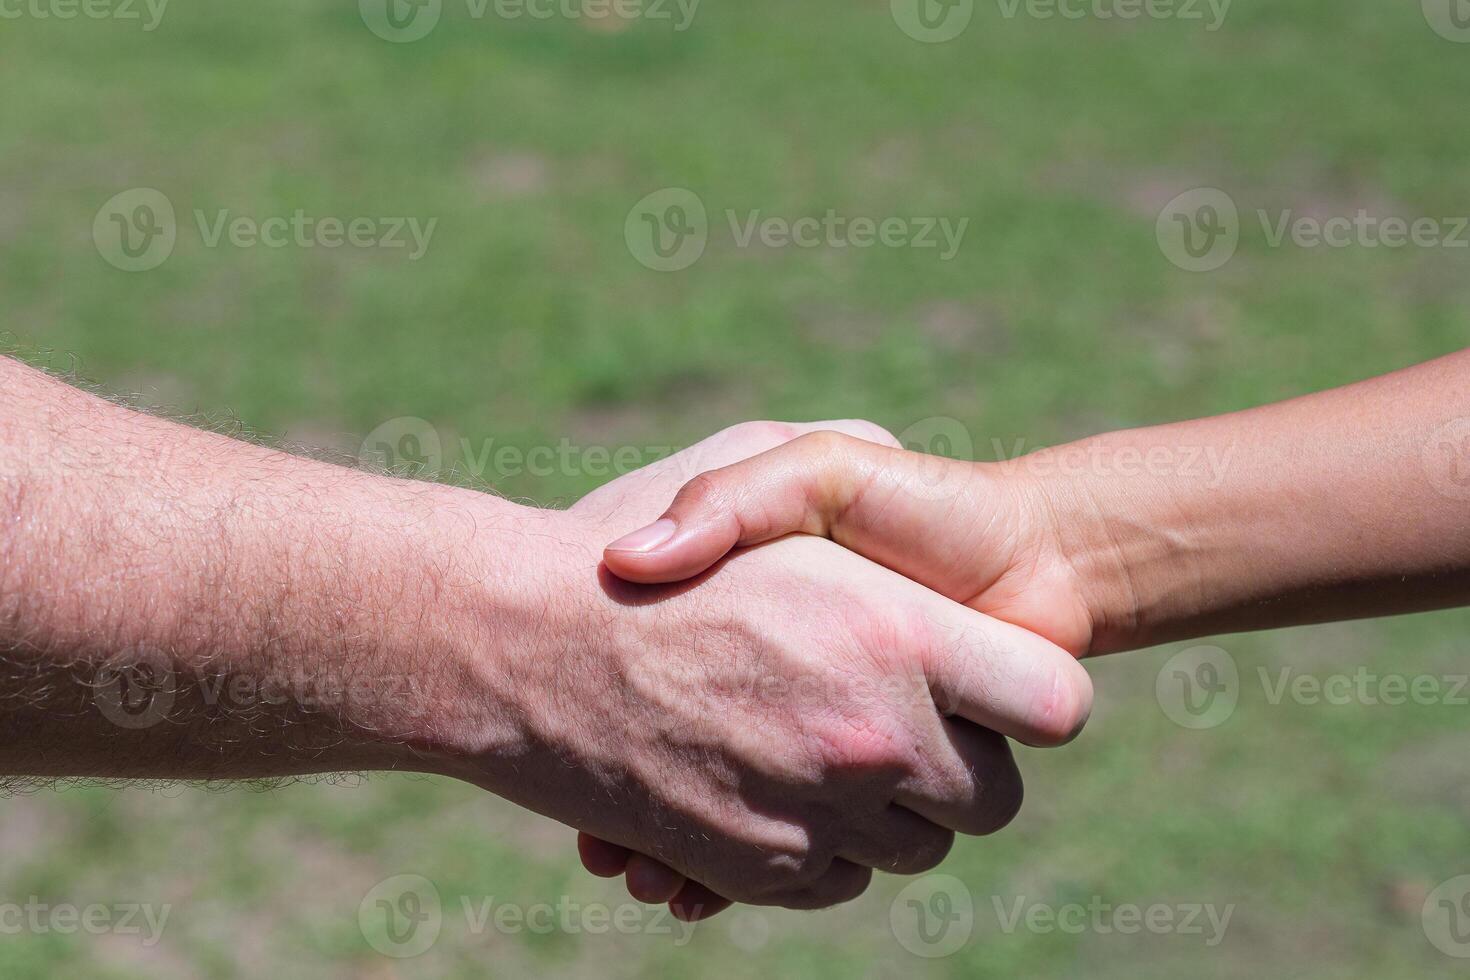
900,841
602,858
1003,677
975,788
842,882
696,902
635,498
652,881
802,487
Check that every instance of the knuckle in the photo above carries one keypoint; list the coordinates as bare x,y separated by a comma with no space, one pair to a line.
823,443
703,490
862,742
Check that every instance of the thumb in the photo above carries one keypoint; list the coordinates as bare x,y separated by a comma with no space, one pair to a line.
801,487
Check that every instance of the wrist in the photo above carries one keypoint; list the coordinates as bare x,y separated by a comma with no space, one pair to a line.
429,606
1117,527
506,590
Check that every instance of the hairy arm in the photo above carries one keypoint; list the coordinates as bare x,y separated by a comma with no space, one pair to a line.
177,604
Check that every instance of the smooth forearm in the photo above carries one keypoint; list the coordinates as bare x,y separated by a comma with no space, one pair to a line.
1331,506
176,604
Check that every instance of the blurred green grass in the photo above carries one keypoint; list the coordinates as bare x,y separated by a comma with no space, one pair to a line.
529,321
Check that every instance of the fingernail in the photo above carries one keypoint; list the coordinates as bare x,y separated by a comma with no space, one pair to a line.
646,538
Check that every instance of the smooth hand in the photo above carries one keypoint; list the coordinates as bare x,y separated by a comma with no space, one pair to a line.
982,534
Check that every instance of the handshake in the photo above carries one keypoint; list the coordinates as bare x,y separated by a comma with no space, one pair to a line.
775,715
755,671
813,651
806,711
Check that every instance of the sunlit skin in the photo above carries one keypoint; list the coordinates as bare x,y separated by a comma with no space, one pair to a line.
1348,503
310,618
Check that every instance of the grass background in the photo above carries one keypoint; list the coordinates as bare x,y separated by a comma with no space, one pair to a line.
529,321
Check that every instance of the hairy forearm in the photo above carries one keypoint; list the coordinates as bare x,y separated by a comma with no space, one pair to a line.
1337,505
177,604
